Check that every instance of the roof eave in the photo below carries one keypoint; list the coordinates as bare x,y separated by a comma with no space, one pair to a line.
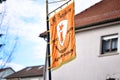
24,76
98,24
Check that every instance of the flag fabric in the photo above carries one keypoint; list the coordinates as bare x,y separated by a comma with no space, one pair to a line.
62,36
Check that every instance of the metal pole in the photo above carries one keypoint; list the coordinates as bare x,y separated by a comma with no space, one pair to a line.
48,41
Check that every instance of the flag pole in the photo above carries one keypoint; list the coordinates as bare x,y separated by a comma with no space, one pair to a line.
48,37
48,41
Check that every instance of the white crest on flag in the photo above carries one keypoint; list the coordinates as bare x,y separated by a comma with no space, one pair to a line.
62,31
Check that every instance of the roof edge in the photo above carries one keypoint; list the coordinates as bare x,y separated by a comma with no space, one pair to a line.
98,24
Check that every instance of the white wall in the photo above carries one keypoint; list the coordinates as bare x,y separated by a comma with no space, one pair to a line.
88,65
32,78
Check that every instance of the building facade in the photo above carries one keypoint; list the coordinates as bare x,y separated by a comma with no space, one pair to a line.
97,45
28,73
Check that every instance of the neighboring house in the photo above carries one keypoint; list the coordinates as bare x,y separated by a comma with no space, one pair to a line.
5,72
97,45
28,73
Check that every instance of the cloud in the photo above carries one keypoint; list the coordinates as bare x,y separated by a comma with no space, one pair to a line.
14,66
27,16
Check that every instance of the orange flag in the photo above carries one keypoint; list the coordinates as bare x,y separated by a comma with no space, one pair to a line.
62,36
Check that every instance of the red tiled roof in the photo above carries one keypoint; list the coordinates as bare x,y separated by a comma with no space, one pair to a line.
34,71
102,13
104,10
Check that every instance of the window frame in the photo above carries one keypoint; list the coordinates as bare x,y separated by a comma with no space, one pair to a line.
109,37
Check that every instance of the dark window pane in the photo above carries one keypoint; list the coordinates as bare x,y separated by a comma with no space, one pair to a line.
114,44
106,46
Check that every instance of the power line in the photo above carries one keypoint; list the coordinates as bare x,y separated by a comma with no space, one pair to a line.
6,56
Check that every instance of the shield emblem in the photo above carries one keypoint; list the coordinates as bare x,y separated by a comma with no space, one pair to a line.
62,31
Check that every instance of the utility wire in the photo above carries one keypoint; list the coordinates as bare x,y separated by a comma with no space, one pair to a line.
56,1
59,6
6,55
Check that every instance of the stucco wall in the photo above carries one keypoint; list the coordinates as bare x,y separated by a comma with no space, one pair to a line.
31,78
36,78
88,65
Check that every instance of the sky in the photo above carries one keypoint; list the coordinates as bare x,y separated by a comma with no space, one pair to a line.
22,22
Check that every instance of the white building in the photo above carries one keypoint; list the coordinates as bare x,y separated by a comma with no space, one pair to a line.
97,45
28,73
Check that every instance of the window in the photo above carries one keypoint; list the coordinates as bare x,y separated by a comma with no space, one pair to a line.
109,43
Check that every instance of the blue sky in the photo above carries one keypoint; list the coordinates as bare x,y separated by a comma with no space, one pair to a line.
24,20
